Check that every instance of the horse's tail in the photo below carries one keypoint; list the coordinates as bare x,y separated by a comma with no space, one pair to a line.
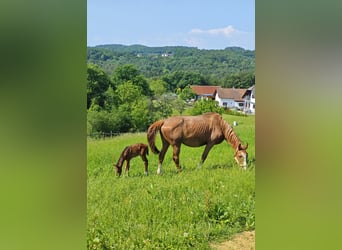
151,135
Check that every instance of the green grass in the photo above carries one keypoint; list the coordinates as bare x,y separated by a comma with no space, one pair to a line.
171,211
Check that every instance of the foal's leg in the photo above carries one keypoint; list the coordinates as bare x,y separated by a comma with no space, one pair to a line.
127,167
143,157
176,150
162,155
205,154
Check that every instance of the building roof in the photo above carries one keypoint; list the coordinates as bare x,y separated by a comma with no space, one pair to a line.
204,90
231,93
249,91
251,88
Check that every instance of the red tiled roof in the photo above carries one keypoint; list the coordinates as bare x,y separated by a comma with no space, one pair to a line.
204,89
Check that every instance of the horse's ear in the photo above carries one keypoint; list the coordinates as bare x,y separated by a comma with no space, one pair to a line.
242,147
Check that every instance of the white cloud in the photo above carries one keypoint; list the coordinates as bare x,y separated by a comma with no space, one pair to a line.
220,38
226,31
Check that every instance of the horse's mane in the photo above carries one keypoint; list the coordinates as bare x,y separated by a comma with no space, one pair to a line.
229,134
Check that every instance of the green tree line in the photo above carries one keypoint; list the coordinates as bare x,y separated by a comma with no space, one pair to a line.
129,87
128,102
230,67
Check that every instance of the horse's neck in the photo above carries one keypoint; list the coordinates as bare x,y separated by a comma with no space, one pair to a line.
120,161
230,135
122,157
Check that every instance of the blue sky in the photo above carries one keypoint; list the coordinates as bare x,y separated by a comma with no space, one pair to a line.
210,24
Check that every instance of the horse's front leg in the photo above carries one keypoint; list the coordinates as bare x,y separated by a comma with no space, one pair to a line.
127,167
205,154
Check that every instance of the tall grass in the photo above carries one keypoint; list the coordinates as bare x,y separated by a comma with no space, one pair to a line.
171,211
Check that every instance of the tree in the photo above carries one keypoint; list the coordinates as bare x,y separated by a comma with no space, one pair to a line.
179,105
104,121
140,114
97,84
150,63
181,79
129,73
161,107
111,98
128,93
158,87
186,94
203,106
240,80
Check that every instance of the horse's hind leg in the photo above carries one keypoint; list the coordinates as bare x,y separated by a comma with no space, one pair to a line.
176,151
143,157
162,155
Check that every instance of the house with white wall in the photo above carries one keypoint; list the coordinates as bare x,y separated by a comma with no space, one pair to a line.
231,98
249,97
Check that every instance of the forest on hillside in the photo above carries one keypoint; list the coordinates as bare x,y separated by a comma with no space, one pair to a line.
129,87
229,67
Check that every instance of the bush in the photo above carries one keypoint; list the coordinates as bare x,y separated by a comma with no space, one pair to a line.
104,121
203,106
233,112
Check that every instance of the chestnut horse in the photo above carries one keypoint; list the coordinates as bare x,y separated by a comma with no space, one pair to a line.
208,129
130,152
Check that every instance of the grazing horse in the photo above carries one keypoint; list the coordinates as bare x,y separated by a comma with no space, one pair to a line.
208,129
128,153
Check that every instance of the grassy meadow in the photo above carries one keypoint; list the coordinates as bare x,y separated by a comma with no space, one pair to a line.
174,210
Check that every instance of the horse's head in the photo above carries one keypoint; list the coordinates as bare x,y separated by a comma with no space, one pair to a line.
241,156
118,170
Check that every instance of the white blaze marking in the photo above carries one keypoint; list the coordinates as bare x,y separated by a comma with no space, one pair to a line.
159,170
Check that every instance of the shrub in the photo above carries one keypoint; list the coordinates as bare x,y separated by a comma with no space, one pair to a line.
233,112
203,106
104,121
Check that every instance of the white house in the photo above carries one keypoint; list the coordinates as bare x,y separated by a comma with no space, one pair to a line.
230,98
249,97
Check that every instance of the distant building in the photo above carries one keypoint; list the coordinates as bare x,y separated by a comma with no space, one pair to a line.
165,55
204,91
230,98
249,97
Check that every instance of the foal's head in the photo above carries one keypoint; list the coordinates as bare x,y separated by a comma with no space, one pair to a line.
241,156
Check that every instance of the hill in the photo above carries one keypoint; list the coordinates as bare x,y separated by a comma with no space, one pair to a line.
216,66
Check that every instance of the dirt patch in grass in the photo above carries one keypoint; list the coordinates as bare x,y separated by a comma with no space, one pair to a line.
241,241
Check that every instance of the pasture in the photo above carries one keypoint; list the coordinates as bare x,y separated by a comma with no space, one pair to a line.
173,210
